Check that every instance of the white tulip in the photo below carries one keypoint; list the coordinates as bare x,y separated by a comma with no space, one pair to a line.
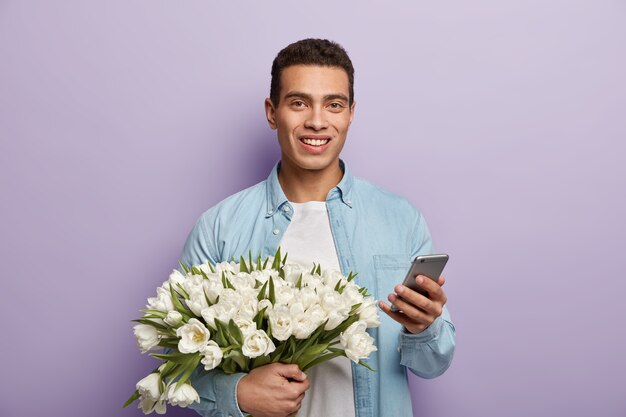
281,323
197,300
308,297
246,325
304,322
242,280
212,355
311,280
182,396
368,312
357,343
193,283
257,344
176,277
212,288
162,302
148,387
174,318
227,267
331,277
265,303
351,296
230,297
147,337
223,312
284,295
148,406
293,272
193,336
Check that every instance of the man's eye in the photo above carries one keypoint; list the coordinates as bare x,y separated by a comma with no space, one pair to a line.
335,106
298,103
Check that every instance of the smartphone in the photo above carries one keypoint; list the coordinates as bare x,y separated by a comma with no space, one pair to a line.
427,265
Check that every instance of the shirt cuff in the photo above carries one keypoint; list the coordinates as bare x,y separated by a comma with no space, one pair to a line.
430,333
226,393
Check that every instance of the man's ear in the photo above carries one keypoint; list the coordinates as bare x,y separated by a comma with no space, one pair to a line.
270,113
352,110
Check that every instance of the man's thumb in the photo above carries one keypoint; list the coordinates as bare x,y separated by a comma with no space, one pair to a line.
291,372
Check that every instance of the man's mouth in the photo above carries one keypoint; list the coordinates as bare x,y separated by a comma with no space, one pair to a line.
315,141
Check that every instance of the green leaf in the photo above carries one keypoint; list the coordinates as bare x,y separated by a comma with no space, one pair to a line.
210,266
320,359
276,263
313,270
367,366
132,398
260,361
228,366
352,276
272,296
265,263
262,292
189,368
153,324
259,317
235,332
178,305
155,312
180,358
174,372
285,259
184,268
258,263
275,356
182,290
299,283
239,359
250,261
319,269
168,344
220,336
355,308
242,265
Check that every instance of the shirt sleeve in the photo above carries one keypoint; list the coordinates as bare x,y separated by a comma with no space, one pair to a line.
429,353
217,390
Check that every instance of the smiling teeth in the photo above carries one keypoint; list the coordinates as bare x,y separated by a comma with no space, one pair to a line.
315,142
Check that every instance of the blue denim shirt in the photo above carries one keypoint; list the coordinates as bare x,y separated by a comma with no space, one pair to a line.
376,234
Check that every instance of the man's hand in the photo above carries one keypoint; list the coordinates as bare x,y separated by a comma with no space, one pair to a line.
417,312
274,390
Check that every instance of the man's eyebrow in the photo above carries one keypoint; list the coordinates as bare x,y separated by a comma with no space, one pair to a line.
309,97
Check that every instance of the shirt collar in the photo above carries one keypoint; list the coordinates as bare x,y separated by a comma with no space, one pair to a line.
276,197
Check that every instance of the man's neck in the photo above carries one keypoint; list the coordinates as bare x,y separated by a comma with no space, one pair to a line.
303,185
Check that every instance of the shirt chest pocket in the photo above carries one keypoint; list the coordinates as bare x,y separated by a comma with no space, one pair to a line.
389,270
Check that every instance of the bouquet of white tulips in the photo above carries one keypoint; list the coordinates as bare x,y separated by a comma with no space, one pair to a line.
239,316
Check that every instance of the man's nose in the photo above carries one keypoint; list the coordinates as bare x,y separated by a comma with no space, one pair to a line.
316,119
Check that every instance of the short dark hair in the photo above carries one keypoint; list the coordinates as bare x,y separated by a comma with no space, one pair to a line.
320,52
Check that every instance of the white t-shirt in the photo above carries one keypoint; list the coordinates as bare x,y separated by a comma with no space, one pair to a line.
309,239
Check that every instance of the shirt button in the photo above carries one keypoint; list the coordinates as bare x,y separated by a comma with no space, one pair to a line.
349,202
286,209
270,212
276,231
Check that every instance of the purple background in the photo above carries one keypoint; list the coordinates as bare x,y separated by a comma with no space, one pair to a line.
121,121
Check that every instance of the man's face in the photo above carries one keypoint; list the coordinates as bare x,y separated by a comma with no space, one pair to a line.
312,116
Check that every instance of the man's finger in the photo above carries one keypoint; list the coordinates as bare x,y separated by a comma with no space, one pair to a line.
413,313
291,372
398,316
434,290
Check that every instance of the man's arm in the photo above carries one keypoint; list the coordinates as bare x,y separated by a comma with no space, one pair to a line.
427,341
274,390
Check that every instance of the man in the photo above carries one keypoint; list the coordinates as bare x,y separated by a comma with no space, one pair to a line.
316,210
